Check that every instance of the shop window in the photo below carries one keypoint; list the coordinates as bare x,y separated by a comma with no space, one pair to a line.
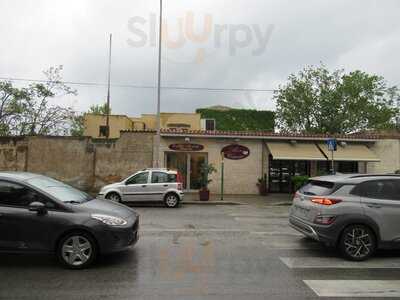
282,171
345,167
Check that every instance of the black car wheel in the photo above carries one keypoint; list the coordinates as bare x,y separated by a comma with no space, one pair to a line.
171,200
357,243
77,250
114,197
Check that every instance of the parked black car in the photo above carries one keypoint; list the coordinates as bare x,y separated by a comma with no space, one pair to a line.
40,214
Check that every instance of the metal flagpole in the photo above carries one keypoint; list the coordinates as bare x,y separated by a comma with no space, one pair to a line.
108,91
158,137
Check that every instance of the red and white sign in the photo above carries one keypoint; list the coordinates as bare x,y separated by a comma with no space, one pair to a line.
186,147
235,152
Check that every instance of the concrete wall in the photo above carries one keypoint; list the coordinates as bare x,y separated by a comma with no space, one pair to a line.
13,154
81,162
64,158
119,159
388,151
240,176
190,119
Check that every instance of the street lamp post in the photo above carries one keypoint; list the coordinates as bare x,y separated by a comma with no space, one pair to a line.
158,136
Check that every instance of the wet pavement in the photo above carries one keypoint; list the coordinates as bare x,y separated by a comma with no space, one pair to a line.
208,252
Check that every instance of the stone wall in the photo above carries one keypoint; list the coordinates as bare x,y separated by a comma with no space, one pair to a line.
82,162
123,157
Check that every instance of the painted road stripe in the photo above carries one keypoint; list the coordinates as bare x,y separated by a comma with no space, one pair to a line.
278,245
355,288
222,230
339,263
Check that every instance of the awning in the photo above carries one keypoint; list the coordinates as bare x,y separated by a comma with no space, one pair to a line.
295,151
350,152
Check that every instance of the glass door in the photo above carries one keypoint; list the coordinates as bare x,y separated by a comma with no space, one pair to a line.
179,162
196,161
188,165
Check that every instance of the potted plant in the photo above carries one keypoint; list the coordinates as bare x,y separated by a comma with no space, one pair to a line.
262,185
299,181
205,171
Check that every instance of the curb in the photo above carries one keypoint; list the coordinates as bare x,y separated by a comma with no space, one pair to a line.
211,203
280,204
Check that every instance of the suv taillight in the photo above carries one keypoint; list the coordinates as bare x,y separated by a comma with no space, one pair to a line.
325,201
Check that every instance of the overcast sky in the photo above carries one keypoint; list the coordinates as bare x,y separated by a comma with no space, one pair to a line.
241,44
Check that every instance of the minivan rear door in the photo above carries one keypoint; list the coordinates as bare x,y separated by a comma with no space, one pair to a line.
303,207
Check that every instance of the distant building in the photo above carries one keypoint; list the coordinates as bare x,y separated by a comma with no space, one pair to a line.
95,125
208,119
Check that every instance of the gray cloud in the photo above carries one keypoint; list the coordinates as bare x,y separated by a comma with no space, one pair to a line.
360,34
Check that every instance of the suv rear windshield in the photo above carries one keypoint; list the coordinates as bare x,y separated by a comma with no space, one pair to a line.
318,188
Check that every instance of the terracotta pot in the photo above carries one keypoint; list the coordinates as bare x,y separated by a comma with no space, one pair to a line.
204,195
262,189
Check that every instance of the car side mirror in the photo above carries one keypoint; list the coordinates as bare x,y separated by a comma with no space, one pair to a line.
38,207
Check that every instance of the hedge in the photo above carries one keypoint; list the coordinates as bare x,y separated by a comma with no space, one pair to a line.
240,119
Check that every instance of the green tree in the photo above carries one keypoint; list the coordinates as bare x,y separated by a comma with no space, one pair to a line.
99,109
38,114
319,101
11,104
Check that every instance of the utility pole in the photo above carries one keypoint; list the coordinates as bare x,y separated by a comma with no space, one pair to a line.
108,91
158,135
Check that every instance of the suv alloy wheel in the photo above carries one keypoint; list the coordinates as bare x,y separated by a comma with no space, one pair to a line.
357,243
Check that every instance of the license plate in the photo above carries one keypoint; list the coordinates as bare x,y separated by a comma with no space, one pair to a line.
301,211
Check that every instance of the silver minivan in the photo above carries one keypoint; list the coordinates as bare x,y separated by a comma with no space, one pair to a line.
157,185
357,213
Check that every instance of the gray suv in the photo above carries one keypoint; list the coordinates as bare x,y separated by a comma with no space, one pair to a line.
356,213
156,185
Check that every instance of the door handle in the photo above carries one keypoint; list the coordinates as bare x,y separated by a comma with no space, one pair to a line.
374,205
144,185
166,185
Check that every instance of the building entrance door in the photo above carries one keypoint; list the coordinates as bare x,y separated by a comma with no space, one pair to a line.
188,165
281,173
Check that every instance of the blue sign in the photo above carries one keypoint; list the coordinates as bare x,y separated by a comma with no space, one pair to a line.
332,144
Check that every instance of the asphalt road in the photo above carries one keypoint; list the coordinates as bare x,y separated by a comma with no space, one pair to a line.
208,252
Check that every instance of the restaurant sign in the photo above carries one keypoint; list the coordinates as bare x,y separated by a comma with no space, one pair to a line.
186,147
235,152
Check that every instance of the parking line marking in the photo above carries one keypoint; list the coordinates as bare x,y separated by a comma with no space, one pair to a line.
339,263
355,288
289,245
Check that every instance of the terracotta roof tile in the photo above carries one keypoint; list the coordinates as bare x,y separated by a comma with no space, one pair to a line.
266,134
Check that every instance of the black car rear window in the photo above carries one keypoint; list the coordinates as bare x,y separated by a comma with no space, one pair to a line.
319,188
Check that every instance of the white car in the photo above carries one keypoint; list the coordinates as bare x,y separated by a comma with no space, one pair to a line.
158,185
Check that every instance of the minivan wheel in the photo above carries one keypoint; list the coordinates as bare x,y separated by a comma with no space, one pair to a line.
171,200
357,243
114,197
77,250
